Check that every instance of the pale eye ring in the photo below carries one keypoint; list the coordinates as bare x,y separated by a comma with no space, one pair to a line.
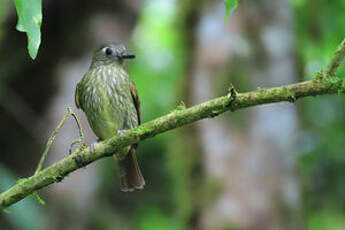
108,51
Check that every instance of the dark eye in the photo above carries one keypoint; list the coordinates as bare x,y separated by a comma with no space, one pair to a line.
108,51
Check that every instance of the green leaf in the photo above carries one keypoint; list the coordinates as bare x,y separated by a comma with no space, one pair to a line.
29,20
230,5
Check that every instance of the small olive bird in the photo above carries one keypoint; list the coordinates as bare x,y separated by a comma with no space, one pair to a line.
111,103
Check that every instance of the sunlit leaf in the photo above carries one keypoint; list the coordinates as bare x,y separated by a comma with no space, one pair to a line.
29,21
230,5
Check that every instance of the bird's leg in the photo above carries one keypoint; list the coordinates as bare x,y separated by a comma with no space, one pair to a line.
77,141
121,131
120,154
93,146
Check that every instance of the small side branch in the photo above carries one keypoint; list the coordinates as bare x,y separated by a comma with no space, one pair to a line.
338,57
51,140
81,133
52,137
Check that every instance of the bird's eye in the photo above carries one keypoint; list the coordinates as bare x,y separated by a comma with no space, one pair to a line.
108,51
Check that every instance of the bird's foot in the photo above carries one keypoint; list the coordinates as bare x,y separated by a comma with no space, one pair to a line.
93,146
74,143
121,132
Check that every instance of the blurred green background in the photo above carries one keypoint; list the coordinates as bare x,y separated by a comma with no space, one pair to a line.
276,166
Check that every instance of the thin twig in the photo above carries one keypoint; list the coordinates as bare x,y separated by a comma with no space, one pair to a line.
338,57
51,140
81,133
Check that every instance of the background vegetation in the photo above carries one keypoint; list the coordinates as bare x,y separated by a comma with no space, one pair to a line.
274,167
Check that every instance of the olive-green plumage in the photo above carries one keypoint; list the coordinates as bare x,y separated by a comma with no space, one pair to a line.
110,101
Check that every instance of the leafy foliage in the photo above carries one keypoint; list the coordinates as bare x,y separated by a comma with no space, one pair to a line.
230,5
29,21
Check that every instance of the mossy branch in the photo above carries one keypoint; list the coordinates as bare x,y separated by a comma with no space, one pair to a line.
82,156
336,60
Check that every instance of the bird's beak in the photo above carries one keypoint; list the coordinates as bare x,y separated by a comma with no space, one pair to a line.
126,55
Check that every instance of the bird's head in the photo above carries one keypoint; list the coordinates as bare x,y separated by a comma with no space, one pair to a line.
111,53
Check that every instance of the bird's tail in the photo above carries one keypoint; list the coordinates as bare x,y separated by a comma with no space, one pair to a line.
130,174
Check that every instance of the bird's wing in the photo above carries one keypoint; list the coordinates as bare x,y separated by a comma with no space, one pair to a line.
136,100
76,97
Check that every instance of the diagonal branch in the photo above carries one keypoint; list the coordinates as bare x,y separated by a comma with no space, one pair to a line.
336,60
177,118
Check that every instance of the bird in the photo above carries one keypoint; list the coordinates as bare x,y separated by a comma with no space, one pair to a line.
110,101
